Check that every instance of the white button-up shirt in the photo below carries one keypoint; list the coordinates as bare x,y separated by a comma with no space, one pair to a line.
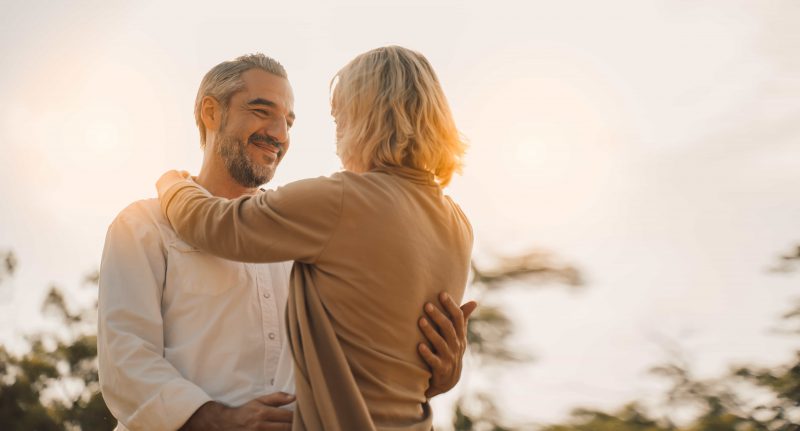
178,327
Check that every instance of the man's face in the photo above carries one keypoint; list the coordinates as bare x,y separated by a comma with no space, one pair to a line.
254,134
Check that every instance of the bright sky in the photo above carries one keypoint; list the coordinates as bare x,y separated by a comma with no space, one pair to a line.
654,144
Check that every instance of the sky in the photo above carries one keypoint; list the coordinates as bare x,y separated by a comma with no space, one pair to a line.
653,144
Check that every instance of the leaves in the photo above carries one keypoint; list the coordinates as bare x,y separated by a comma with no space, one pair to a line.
50,361
477,412
535,268
487,333
722,403
8,265
631,417
788,262
490,328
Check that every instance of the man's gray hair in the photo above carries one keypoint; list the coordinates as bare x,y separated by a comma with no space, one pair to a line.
225,79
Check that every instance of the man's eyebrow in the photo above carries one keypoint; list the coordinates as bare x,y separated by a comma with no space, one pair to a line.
269,103
261,101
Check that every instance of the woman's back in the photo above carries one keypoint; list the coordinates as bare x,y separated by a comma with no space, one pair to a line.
398,243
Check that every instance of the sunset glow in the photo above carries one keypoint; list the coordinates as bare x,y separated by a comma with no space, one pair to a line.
652,143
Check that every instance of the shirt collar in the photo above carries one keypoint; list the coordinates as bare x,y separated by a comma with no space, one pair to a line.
412,174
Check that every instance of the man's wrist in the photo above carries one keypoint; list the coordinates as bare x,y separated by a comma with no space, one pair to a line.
208,417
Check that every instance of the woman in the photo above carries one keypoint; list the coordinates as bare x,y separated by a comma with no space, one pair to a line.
371,244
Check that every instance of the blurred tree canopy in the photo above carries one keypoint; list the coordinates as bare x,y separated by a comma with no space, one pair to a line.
54,385
746,398
490,327
726,403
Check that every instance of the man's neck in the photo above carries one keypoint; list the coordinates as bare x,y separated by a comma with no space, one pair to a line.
221,184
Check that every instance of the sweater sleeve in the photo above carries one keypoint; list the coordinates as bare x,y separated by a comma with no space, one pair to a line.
294,222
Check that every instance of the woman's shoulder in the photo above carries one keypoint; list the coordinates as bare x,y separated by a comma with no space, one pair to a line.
354,180
460,215
321,184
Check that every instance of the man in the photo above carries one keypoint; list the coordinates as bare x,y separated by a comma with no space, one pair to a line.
188,340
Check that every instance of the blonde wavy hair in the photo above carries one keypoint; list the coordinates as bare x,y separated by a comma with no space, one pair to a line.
390,110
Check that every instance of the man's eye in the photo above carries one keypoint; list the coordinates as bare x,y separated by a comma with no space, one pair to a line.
261,112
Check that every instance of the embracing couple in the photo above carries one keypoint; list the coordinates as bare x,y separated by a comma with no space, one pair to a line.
327,304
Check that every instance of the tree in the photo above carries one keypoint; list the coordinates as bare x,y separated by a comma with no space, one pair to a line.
54,385
722,403
490,327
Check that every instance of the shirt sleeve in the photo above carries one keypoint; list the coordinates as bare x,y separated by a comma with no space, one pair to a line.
294,222
141,388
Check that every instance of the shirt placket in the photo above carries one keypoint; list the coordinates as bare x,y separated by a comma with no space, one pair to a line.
270,322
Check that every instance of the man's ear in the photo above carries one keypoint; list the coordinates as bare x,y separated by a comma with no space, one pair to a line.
211,113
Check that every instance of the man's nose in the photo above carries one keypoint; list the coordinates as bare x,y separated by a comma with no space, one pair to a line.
278,130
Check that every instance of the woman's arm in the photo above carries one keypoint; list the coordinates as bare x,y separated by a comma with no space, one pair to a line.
294,222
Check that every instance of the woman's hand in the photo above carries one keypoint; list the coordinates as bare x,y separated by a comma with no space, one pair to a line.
169,179
448,337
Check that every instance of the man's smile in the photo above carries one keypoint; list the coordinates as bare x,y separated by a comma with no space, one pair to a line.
268,146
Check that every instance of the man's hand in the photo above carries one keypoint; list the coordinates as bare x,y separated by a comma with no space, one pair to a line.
262,413
448,336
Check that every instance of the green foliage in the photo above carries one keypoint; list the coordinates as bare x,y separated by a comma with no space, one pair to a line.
629,418
484,415
534,268
788,262
721,406
54,385
723,403
490,328
8,264
487,332
33,394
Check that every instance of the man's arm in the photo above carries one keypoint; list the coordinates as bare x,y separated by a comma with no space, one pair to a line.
141,388
447,334
262,413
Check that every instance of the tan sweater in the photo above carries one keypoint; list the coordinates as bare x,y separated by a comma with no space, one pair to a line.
369,249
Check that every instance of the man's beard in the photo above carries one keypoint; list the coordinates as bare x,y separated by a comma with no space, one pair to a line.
247,173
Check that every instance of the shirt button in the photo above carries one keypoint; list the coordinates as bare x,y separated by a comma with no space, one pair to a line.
266,295
271,335
271,382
